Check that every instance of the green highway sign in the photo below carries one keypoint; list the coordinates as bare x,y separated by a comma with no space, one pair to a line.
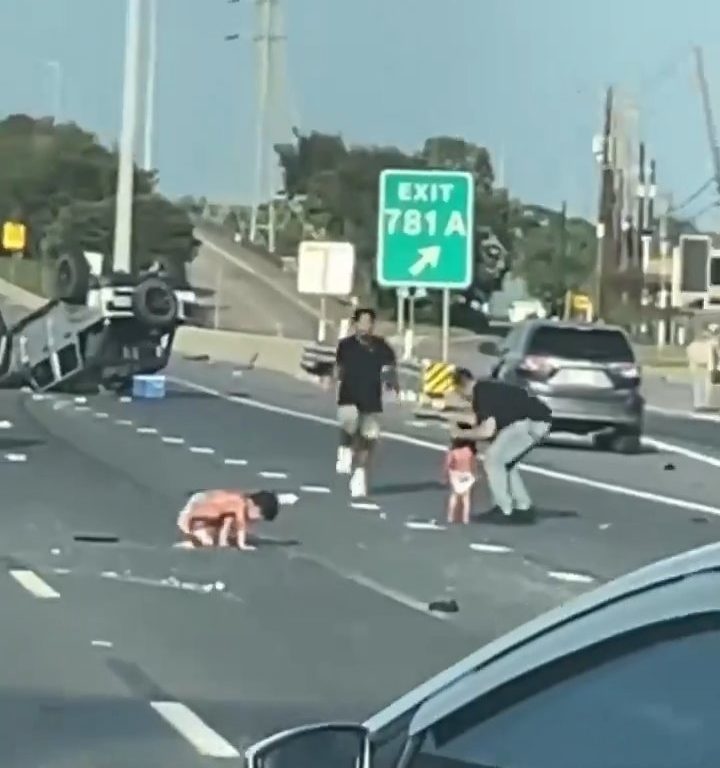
425,229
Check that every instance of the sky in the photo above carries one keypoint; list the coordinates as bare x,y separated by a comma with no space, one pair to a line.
524,78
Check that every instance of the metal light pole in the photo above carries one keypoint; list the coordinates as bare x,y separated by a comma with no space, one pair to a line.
150,86
122,261
56,87
261,150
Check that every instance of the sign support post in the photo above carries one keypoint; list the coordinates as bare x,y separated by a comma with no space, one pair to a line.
445,339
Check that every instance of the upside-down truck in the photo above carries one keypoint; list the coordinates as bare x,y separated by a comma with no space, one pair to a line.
96,331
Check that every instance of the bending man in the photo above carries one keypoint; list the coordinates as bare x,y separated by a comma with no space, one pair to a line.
514,423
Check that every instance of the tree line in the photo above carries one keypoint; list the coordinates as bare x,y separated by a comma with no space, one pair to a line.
60,181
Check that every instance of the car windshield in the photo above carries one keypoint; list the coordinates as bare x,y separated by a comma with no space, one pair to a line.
580,344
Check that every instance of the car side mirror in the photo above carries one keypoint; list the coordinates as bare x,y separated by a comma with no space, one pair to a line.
332,745
489,348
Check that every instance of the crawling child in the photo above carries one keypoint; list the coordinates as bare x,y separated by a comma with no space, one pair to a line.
460,474
224,517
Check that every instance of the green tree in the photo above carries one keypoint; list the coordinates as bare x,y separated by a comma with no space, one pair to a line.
60,181
555,253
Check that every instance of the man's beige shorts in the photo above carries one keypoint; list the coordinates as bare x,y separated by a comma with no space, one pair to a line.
367,425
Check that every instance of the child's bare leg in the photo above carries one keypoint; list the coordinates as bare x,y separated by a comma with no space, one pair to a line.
451,508
466,503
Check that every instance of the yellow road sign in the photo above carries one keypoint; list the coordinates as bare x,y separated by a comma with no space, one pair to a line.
581,302
14,235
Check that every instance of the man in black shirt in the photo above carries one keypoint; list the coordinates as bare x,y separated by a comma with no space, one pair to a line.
361,360
514,422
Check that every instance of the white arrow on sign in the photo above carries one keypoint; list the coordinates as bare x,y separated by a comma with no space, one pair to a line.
288,499
429,257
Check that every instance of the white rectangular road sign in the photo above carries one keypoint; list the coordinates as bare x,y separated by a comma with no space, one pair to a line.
325,269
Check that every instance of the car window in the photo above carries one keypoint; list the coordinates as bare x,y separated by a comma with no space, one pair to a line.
646,700
579,344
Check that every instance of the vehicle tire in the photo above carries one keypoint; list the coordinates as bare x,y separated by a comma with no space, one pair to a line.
155,304
72,278
628,443
603,441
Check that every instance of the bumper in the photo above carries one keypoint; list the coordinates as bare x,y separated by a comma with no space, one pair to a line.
588,414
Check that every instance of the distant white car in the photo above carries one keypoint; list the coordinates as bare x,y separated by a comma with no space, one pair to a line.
524,309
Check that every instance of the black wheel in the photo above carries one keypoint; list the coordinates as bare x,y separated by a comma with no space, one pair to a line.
603,441
72,278
626,442
155,303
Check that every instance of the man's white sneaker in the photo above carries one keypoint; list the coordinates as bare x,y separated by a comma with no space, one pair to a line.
358,484
343,465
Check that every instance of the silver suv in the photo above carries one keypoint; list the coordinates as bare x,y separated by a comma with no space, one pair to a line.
586,374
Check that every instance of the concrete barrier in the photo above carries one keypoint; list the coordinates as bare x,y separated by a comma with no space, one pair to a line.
273,352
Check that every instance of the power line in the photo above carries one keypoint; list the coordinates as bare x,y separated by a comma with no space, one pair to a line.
693,197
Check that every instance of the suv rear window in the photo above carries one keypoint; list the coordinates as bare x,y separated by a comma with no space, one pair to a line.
578,344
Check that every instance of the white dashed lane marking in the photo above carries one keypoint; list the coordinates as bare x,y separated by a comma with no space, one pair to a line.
173,440
147,431
364,505
101,415
273,475
16,458
102,644
203,738
5,424
420,525
494,548
36,586
570,577
201,449
82,408
235,462
314,489
123,422
80,400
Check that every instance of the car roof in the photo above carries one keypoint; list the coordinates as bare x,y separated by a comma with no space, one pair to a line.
569,324
698,560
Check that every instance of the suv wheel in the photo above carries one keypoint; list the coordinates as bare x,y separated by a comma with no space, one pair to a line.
618,442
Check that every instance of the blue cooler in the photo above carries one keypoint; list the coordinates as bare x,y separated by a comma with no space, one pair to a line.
148,387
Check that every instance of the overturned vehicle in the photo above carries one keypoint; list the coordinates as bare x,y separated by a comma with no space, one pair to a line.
95,332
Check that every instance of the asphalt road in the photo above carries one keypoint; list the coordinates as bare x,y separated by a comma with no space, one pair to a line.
121,650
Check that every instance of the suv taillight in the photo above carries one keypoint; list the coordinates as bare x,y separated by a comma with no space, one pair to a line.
537,365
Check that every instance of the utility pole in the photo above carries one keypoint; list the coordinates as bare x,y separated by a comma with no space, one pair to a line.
605,223
150,85
560,255
122,247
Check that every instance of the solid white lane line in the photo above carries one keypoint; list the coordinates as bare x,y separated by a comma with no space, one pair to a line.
273,475
146,431
680,450
620,490
371,584
173,440
201,449
203,738
36,586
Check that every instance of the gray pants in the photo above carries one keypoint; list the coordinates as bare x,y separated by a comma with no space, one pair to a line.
700,387
510,445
